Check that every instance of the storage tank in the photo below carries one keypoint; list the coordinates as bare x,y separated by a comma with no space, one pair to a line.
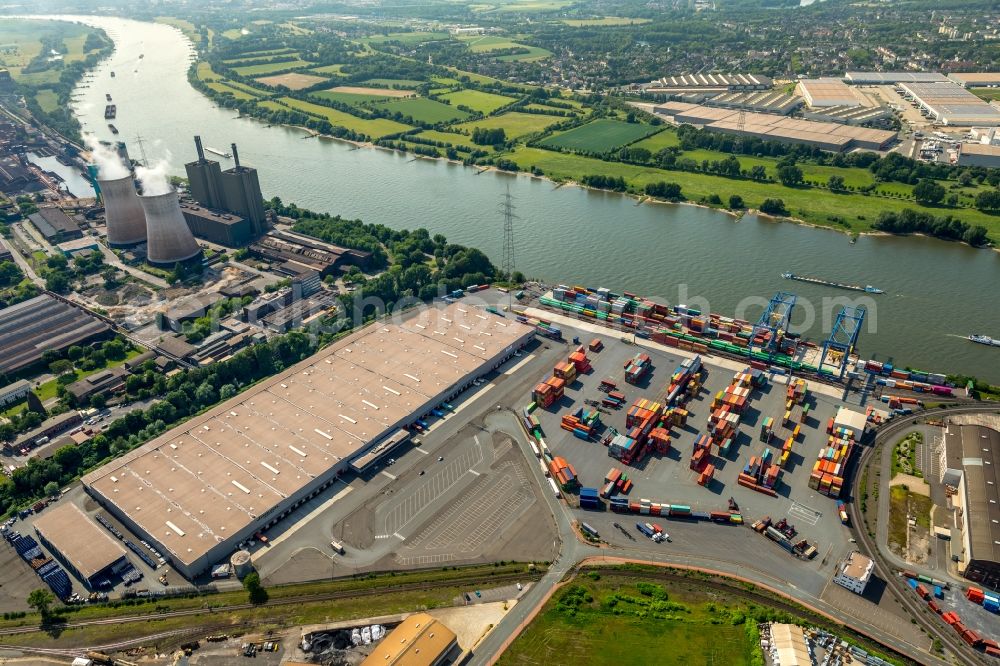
123,211
169,239
240,561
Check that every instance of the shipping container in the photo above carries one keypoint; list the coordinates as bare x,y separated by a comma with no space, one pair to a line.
555,488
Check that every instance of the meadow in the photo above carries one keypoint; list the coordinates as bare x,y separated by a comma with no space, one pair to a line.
599,136
477,100
513,123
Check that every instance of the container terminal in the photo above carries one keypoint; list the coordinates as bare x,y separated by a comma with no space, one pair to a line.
868,289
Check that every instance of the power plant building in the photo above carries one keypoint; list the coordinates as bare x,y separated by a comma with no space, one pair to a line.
200,489
235,191
217,226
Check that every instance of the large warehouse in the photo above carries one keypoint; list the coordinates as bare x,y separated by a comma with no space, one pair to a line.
975,79
38,324
972,466
834,137
890,78
827,92
84,548
198,490
950,104
685,83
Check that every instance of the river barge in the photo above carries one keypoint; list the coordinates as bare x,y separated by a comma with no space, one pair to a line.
868,289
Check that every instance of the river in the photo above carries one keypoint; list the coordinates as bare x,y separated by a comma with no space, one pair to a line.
937,292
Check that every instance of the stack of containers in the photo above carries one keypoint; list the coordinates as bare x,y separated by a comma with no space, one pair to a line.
767,430
589,498
760,474
797,391
786,451
659,439
637,368
611,482
579,359
686,380
549,391
581,422
596,345
563,473
828,473
702,453
706,474
613,400
623,448
565,370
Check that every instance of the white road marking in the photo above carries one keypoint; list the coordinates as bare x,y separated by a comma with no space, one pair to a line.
514,368
474,472
476,437
399,536
417,448
299,523
389,475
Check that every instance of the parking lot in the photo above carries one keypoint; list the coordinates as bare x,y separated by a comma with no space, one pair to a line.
669,479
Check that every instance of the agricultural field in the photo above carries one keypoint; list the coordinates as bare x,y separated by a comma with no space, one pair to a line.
846,211
355,100
267,68
292,80
485,44
335,70
606,21
408,38
550,109
600,136
256,55
423,110
20,43
376,128
514,124
205,73
394,83
375,92
619,619
450,137
657,142
477,100
229,90
989,94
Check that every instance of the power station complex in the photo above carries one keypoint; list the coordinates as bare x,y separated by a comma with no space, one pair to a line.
233,212
196,492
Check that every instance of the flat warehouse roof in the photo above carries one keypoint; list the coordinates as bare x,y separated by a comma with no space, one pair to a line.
893,77
206,480
79,541
979,449
31,327
976,78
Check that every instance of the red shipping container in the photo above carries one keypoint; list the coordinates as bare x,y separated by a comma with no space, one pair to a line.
975,595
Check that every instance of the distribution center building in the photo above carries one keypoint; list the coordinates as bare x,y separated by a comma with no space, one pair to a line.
950,104
83,547
827,92
971,456
200,489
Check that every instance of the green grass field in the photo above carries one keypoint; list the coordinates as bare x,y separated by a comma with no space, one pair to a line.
256,92
247,57
600,135
227,89
477,100
486,43
423,110
613,622
257,70
986,93
812,205
607,20
393,83
408,38
47,99
513,123
550,109
335,70
450,137
375,127
657,142
205,73
353,99
20,43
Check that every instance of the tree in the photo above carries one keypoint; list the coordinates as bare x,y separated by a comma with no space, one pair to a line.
255,591
41,600
98,401
928,192
51,489
773,207
736,202
60,367
988,200
226,391
758,173
790,175
835,183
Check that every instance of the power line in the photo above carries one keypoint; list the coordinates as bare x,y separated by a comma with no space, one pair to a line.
507,264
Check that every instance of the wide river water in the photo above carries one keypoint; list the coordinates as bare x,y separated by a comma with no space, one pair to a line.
937,292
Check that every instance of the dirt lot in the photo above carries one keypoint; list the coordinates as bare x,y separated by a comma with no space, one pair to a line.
17,580
292,81
384,92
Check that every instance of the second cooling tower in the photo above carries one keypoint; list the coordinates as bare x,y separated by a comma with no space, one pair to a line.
169,239
123,211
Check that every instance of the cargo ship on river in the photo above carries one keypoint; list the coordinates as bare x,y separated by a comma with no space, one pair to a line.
984,340
110,111
220,153
868,289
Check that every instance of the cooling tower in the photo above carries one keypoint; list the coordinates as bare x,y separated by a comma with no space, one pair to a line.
169,238
123,211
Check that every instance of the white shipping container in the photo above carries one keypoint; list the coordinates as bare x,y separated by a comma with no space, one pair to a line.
534,449
555,488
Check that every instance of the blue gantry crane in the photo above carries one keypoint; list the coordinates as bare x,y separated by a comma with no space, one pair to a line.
775,321
843,338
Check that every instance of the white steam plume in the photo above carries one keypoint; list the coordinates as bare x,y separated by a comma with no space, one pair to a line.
154,178
109,164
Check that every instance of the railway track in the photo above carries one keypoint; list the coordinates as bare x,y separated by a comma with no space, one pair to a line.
867,544
468,581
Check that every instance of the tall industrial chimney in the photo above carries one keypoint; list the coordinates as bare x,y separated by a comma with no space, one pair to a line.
123,211
199,148
236,157
169,237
